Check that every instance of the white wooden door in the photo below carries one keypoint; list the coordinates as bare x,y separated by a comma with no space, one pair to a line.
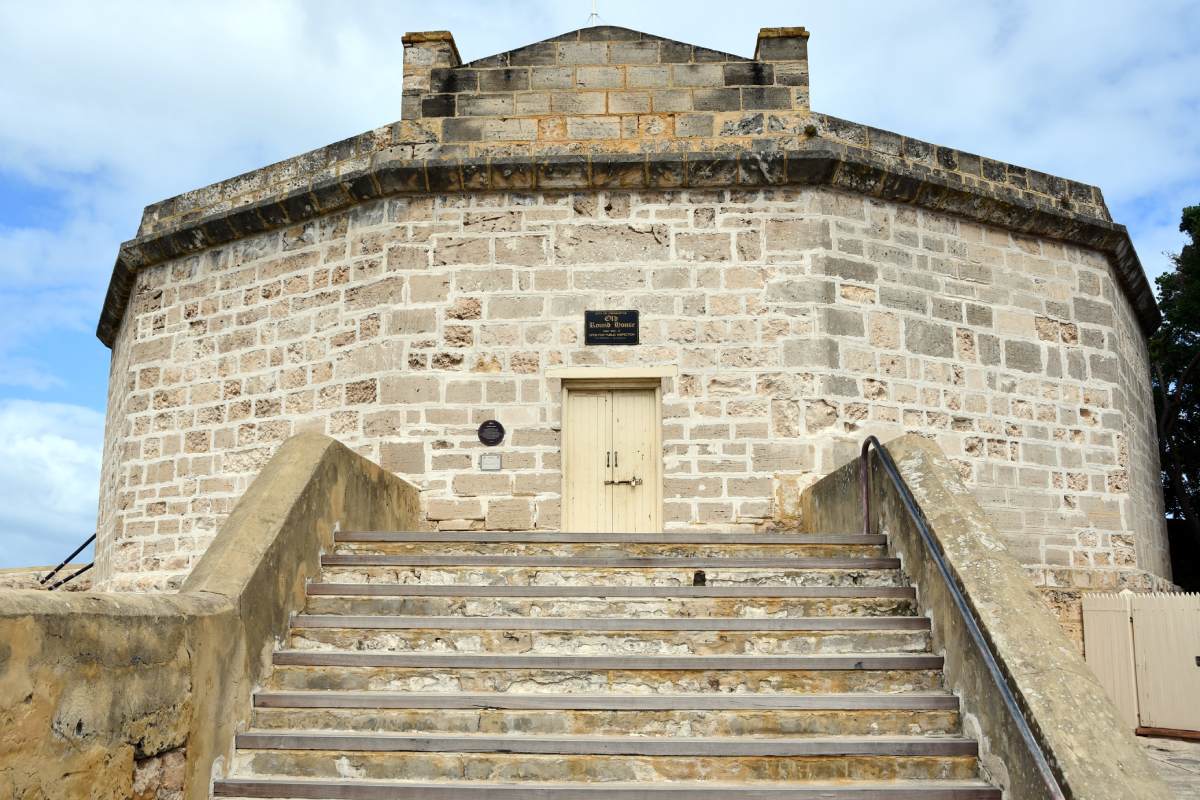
612,461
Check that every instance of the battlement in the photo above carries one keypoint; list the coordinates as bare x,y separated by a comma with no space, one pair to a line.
596,84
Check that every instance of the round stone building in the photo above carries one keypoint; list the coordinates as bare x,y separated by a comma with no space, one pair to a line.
682,293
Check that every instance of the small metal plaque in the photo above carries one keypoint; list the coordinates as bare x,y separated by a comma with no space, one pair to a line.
491,433
611,327
491,462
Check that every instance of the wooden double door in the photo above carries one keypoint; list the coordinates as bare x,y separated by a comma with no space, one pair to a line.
612,460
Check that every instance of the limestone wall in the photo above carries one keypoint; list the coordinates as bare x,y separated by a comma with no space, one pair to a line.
800,320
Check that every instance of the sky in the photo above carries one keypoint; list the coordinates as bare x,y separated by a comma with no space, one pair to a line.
108,107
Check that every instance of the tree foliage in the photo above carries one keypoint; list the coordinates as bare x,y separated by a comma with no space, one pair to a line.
1175,359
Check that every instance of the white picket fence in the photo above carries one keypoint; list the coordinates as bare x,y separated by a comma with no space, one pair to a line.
1145,649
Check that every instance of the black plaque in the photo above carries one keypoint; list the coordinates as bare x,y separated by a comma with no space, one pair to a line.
491,433
611,327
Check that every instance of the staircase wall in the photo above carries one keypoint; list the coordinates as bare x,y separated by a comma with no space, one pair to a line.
1092,752
102,694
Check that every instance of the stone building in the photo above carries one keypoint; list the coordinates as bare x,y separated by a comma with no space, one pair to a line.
800,282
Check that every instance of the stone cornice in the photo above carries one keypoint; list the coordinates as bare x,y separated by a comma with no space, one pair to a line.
814,162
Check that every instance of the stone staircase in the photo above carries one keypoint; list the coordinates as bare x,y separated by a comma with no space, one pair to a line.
563,666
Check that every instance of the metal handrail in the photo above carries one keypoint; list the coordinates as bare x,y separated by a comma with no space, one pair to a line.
934,549
65,561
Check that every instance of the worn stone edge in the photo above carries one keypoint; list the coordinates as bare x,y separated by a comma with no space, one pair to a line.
239,599
1092,754
821,163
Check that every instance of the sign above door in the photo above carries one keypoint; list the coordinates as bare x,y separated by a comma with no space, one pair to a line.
611,327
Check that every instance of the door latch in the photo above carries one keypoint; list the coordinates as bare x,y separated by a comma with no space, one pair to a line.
630,482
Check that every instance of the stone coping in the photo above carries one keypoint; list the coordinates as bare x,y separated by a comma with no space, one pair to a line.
93,682
1092,753
815,161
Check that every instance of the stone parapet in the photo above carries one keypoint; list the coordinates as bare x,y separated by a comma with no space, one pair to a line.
117,696
1091,752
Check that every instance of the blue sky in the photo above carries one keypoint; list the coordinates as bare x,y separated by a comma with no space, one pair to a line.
111,106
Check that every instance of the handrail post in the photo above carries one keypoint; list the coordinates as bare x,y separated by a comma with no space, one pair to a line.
864,477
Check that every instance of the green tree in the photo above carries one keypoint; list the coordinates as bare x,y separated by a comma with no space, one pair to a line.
1175,355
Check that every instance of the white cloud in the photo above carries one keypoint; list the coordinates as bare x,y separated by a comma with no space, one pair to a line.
49,474
111,106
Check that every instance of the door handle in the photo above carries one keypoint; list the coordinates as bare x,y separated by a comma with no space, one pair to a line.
631,482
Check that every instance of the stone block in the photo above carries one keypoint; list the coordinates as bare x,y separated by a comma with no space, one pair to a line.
907,299
749,73
504,80
522,307
628,102
577,102
688,125
765,98
512,514
841,322
793,234
412,322
800,290
717,100
929,338
407,458
1093,312
583,53
597,127
450,250
645,52
551,78
443,508
698,75
410,389
782,457
1025,356
603,244
474,484
600,77
704,246
810,353
846,268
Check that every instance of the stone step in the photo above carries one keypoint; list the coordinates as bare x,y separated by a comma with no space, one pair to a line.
599,759
523,674
355,789
611,715
672,537
608,546
588,636
634,602
521,571
626,562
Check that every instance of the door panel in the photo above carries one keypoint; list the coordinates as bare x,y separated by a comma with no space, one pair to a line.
634,474
587,430
612,461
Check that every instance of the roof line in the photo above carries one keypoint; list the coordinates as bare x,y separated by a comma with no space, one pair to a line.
815,162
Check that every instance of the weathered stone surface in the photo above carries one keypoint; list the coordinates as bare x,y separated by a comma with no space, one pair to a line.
101,693
1094,753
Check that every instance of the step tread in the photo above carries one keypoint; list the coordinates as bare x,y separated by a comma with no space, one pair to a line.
603,562
888,661
605,702
555,537
361,789
468,590
615,624
348,741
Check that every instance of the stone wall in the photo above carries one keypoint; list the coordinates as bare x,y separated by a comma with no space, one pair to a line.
118,696
800,320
